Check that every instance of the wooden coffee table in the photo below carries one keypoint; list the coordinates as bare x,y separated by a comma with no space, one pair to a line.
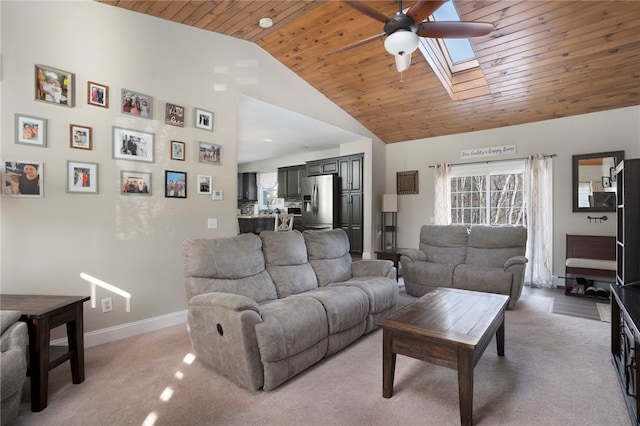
448,327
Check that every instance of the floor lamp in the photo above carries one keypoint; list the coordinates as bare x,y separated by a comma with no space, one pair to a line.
389,221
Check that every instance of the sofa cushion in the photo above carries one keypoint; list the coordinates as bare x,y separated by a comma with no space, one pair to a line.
230,265
444,243
428,273
345,306
292,337
493,245
285,255
329,255
290,326
381,292
483,278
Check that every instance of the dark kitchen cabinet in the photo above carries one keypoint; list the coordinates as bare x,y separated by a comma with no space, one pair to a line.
290,181
350,171
322,167
247,187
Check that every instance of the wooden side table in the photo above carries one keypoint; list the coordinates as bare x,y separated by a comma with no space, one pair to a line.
392,255
42,313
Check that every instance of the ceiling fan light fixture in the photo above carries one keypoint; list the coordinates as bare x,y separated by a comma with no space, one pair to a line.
403,62
401,42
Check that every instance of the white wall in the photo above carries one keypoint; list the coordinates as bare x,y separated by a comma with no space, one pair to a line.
131,242
596,132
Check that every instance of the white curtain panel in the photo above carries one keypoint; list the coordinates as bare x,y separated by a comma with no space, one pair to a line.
268,180
442,194
539,195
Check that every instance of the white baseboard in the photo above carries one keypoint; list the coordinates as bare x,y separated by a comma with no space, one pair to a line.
110,334
557,281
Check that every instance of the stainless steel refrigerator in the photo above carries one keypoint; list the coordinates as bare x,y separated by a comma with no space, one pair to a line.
321,202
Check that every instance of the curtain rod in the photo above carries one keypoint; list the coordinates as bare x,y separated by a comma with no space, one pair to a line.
495,161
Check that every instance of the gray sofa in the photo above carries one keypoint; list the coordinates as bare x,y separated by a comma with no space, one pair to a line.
13,363
265,308
481,258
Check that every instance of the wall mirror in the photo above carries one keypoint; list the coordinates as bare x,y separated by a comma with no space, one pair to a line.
594,181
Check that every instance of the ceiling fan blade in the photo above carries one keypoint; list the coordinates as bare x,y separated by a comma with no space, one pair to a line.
356,44
423,9
367,10
454,29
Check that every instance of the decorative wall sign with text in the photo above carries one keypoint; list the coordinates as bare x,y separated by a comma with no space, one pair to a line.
492,151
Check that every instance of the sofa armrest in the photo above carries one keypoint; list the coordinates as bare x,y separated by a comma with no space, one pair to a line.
414,255
222,331
373,268
516,260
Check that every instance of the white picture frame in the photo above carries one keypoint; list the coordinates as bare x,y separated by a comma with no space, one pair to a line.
133,145
204,184
203,119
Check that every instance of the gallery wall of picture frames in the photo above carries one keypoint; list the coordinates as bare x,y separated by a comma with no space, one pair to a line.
25,178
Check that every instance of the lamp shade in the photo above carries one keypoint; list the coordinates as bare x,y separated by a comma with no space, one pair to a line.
403,62
389,203
401,42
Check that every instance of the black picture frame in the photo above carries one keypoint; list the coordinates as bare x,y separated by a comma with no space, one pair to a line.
175,184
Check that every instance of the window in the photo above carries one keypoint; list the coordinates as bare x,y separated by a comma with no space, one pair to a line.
454,61
267,189
459,53
491,194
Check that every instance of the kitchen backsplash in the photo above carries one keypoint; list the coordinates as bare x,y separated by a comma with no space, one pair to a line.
246,207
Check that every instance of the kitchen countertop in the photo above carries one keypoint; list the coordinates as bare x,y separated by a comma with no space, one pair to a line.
261,216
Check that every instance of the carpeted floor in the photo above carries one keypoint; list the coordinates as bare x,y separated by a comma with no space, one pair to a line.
557,371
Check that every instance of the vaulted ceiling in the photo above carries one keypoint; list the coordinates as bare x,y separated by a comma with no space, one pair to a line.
545,59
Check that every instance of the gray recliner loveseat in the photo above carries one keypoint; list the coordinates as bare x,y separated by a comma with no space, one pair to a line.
480,258
13,363
264,308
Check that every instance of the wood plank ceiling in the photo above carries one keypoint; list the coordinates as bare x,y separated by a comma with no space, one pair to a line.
546,59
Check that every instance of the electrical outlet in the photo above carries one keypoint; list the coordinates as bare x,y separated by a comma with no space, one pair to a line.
107,305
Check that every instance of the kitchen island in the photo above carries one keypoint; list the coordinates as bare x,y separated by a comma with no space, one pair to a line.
256,223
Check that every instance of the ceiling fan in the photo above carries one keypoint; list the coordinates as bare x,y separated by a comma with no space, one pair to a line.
402,31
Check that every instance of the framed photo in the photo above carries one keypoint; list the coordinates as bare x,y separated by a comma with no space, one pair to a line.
22,179
132,145
209,153
217,195
606,181
204,184
97,94
407,182
177,150
175,184
55,86
135,183
80,137
82,177
174,115
203,119
31,130
137,104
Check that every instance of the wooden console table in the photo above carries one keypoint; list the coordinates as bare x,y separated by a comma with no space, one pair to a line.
42,313
392,255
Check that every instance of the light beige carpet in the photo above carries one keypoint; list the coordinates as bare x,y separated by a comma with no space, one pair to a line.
557,371
604,310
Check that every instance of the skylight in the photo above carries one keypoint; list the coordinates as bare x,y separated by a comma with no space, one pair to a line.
459,50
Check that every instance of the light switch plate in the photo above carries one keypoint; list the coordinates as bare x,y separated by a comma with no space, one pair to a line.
212,223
